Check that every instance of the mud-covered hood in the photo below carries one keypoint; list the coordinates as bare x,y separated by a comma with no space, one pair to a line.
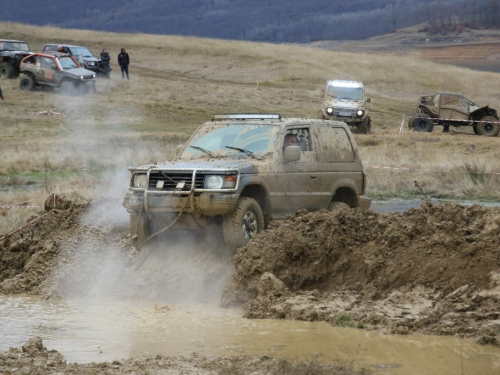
344,103
243,165
80,72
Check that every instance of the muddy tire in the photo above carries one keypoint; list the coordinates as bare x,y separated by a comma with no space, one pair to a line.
365,126
6,70
488,127
68,88
335,206
423,125
140,229
244,223
27,83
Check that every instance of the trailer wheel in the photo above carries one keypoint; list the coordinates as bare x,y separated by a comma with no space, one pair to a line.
488,126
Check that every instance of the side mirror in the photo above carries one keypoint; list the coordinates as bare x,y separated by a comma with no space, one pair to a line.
291,154
368,100
178,149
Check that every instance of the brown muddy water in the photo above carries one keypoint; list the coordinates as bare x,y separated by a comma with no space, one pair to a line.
98,331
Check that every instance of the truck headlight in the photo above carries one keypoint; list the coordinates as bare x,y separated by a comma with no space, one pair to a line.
220,182
139,180
359,113
329,110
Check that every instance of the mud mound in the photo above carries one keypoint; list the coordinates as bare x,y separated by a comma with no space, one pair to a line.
39,258
440,263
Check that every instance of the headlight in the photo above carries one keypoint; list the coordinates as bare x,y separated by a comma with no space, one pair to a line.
329,110
359,113
93,76
139,180
220,181
81,77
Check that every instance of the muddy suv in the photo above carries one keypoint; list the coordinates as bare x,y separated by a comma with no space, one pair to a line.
55,70
346,101
453,109
11,54
82,55
239,171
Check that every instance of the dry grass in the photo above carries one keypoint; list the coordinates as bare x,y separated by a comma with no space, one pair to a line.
178,82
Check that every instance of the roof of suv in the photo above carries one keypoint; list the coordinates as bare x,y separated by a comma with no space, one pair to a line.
63,45
344,83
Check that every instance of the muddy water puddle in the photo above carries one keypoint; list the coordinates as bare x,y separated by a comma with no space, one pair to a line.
101,331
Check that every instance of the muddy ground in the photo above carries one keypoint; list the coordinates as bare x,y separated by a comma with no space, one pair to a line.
434,270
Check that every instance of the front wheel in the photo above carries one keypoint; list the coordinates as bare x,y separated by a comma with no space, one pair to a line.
365,126
488,126
423,124
243,224
140,228
68,88
6,70
27,83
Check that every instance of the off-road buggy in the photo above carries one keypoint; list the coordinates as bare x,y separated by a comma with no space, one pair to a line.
55,70
453,109
11,54
346,101
238,172
83,56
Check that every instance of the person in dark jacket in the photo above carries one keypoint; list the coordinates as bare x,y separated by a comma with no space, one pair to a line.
123,61
105,59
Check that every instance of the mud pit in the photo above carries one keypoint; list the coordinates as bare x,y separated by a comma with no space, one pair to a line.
434,270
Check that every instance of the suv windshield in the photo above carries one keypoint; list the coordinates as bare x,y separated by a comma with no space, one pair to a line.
350,93
224,140
14,46
67,62
76,51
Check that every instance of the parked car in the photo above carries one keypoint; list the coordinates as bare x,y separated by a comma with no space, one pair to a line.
239,171
55,70
11,54
453,109
346,101
82,55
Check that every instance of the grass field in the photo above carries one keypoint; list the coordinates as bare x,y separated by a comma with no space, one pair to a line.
179,82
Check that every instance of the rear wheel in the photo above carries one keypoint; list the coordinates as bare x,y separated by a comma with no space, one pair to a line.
27,83
244,223
423,124
488,126
6,70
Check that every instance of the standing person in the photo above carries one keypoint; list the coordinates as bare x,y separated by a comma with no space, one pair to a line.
105,59
123,61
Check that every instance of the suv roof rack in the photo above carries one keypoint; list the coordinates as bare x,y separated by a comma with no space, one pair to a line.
246,116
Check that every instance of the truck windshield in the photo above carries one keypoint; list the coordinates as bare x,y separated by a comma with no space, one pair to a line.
350,93
67,63
256,140
76,51
14,46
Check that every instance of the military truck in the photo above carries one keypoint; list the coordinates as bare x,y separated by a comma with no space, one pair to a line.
50,71
11,54
453,109
238,172
346,101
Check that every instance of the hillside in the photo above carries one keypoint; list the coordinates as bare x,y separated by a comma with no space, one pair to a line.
293,21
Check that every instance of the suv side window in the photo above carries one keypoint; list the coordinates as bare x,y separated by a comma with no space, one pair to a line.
47,62
304,140
337,144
